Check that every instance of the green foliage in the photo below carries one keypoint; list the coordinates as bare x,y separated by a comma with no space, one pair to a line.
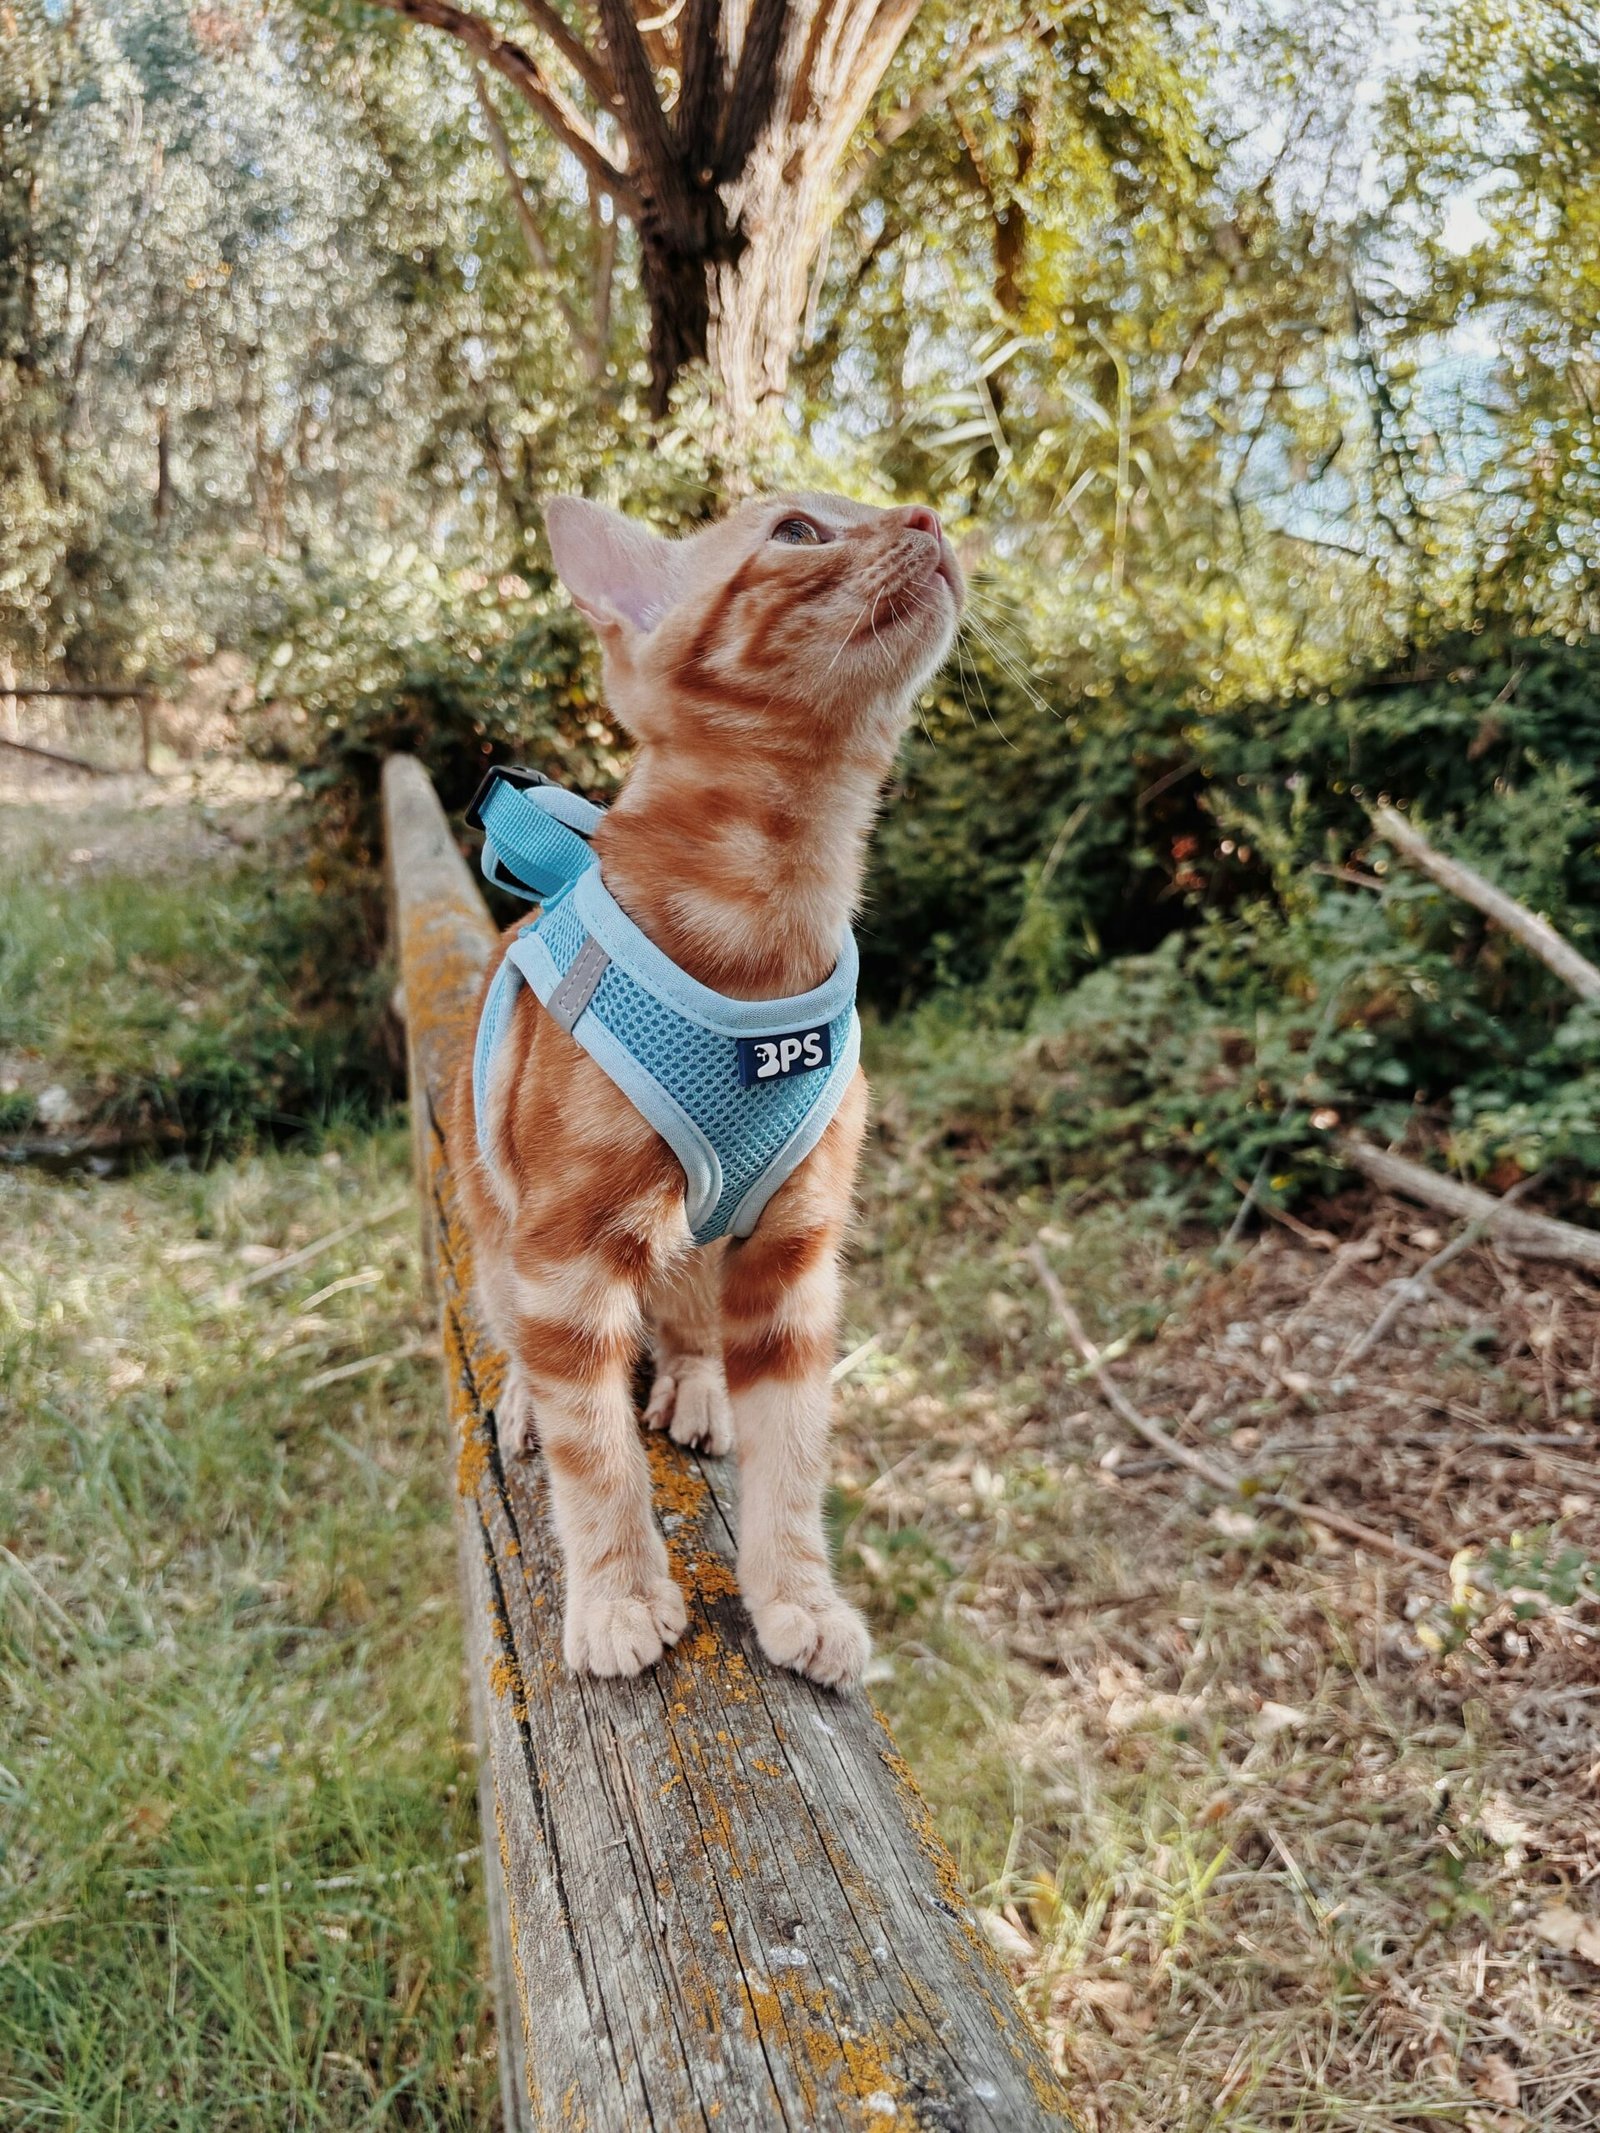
1502,120
1305,977
454,670
1536,1571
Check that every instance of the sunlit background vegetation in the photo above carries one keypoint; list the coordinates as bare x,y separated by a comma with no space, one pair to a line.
1256,347
1252,354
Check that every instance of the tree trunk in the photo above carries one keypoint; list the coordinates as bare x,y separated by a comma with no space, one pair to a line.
163,502
719,130
757,301
677,293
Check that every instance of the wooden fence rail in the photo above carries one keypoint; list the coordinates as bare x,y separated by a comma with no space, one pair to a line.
717,1900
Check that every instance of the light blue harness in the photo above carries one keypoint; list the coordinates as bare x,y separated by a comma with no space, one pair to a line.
740,1090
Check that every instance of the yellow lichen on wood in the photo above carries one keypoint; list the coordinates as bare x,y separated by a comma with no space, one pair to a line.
505,1679
854,2071
929,1842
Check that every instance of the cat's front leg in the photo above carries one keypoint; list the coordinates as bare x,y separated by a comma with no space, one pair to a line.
780,1312
623,1607
689,1398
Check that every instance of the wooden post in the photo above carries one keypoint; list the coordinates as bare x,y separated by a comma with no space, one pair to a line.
717,1899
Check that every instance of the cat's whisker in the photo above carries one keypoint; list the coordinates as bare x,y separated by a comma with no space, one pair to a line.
846,640
988,708
963,659
1010,666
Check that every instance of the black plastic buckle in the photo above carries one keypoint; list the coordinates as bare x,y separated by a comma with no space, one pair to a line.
501,773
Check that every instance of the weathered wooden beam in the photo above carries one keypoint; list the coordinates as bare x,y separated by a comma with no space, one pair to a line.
54,755
717,1899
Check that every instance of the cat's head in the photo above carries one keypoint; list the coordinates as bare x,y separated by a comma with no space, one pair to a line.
803,622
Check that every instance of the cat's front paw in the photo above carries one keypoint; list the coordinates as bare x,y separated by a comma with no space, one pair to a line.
619,1629
689,1400
825,1639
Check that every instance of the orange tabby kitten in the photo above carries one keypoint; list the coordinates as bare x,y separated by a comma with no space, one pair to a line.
766,668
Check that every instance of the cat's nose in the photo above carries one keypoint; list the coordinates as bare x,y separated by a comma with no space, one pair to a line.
922,520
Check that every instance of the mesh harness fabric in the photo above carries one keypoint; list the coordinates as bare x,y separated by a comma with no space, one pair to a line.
741,1090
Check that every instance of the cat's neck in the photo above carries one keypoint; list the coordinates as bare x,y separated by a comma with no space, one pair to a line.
748,876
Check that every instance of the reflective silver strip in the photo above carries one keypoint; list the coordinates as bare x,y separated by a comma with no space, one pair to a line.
576,989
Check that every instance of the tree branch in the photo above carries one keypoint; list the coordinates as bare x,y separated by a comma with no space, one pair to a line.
649,135
1529,1235
590,67
896,124
603,235
530,81
532,231
1536,934
861,69
697,117
751,99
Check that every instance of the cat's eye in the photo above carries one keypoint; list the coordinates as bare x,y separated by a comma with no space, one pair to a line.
798,532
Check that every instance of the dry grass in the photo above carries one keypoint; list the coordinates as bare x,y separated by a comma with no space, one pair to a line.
1275,1834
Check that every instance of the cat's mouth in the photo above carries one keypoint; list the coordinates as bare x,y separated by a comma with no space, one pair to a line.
893,611
919,598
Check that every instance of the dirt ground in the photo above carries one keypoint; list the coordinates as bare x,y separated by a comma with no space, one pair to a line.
1274,1831
64,822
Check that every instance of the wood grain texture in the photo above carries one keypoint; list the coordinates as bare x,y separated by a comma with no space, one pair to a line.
719,1900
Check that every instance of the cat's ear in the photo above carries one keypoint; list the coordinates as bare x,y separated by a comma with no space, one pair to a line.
619,573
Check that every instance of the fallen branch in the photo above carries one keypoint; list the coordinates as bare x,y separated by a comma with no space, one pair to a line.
1319,1239
1530,1235
1217,1477
1416,1287
1112,1393
231,1290
1536,934
54,755
79,691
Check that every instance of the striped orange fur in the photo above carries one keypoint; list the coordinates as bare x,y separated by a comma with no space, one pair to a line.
766,668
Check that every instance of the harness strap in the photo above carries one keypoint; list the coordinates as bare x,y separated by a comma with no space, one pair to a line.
536,837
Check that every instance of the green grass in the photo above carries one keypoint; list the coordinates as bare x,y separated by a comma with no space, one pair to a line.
238,1885
199,1000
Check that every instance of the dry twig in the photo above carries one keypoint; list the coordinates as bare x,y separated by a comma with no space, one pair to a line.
231,1290
54,755
1415,1287
1216,1477
341,1371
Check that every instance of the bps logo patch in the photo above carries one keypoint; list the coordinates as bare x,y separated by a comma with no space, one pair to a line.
776,1058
